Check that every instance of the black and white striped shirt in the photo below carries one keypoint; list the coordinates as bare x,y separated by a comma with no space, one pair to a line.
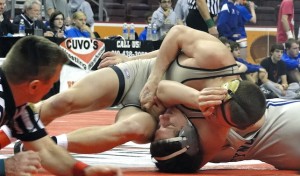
22,121
213,6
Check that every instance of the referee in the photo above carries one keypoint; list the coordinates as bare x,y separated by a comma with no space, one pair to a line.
202,14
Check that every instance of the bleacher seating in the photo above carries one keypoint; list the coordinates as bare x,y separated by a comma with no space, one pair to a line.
116,10
135,10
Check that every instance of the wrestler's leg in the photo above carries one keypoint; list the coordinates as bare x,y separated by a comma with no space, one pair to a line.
132,125
95,91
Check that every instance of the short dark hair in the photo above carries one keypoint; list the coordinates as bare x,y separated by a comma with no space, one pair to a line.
234,45
275,46
248,104
52,18
37,56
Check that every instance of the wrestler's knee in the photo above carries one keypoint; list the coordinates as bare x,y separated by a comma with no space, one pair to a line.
135,130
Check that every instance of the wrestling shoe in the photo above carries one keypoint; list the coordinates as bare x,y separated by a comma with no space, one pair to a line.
18,147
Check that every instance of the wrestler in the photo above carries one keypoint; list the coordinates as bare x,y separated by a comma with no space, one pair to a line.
272,139
199,135
203,62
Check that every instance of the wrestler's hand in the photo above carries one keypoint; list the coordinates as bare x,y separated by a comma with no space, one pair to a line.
111,58
23,164
103,171
147,95
157,109
209,98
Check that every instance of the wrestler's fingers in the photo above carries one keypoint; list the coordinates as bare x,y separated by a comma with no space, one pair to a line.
33,156
107,62
209,103
213,91
31,169
210,100
107,54
25,174
35,162
208,113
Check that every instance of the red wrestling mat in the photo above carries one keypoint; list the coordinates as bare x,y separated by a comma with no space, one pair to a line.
135,159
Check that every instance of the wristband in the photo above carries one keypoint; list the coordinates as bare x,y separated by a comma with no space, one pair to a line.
2,167
78,168
210,23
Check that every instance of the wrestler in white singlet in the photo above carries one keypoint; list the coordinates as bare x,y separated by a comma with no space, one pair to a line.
276,142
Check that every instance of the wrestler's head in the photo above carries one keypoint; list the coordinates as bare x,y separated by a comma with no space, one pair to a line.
176,145
245,102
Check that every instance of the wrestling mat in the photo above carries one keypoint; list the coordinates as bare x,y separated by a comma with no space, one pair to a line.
135,159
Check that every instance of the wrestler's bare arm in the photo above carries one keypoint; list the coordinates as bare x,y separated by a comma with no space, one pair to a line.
188,96
193,43
95,91
180,38
111,58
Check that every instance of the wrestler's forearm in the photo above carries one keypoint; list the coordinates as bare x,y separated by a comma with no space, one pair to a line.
149,55
167,93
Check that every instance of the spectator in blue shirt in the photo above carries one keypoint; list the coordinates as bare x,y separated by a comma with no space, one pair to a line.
143,34
229,21
253,71
291,59
79,27
247,14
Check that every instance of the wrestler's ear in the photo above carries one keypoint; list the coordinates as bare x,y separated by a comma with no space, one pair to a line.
33,86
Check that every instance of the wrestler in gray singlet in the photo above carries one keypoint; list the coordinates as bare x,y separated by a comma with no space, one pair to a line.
276,143
134,74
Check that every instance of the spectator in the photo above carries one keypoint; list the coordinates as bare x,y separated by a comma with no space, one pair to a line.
6,26
56,23
182,10
285,23
143,34
229,21
164,17
85,7
291,60
202,15
32,18
277,75
79,27
246,17
253,71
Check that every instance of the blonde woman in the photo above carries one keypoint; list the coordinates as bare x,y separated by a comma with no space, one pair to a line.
79,27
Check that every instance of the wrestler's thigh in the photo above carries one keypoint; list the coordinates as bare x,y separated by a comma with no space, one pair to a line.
146,123
98,89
